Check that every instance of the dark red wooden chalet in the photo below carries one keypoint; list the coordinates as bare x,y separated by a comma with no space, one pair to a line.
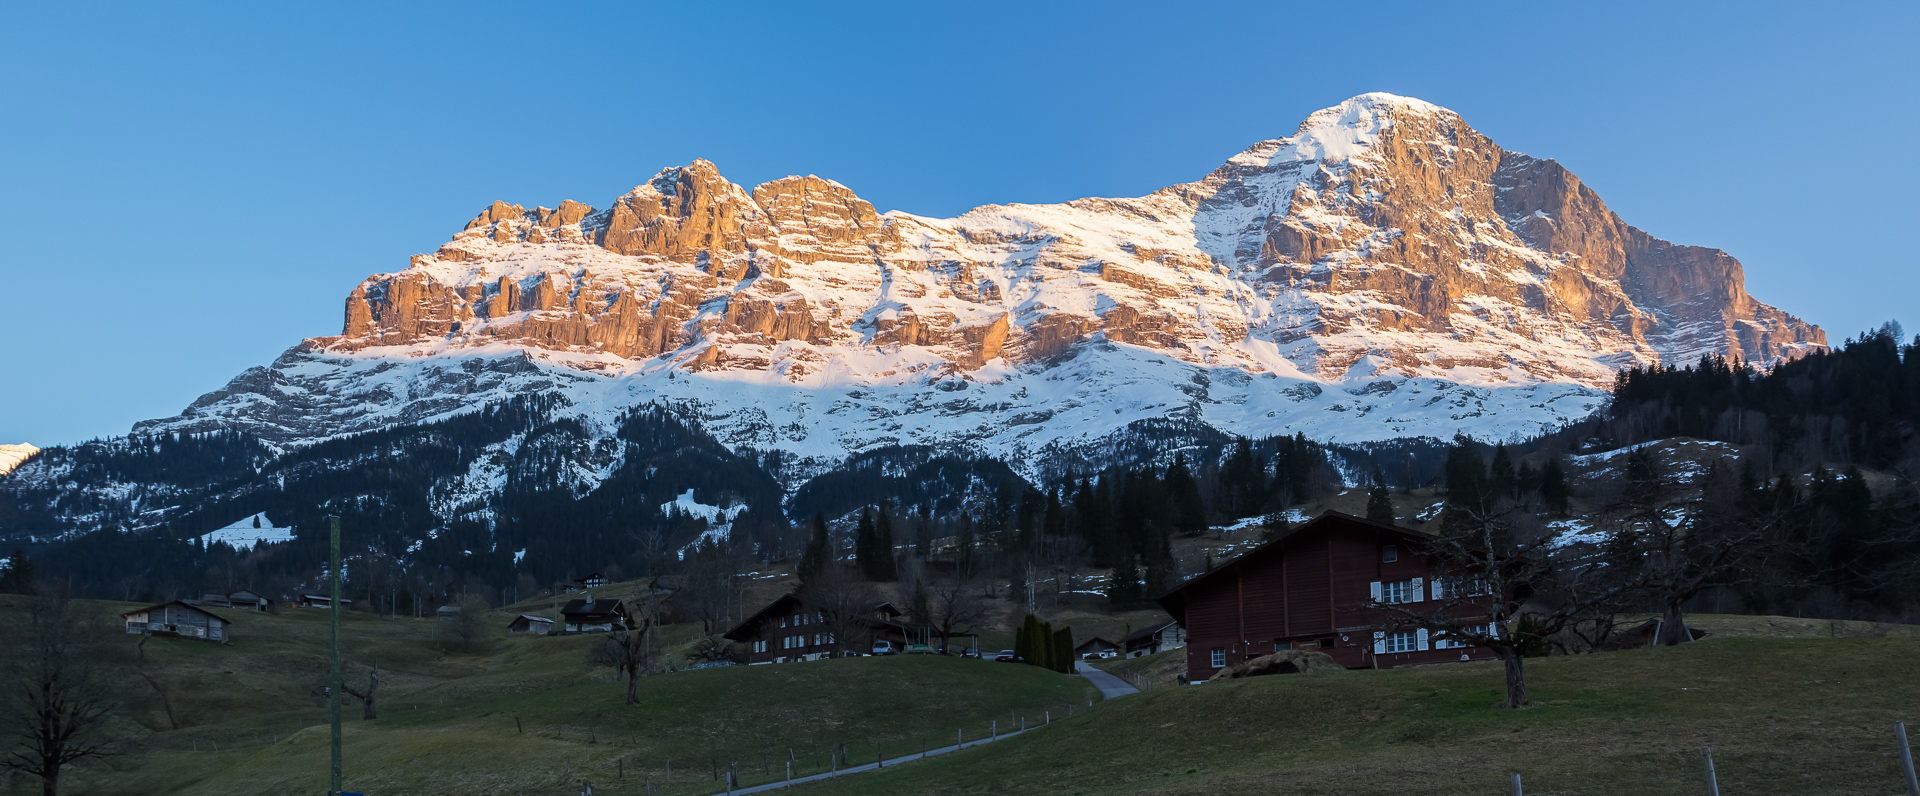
1309,589
789,630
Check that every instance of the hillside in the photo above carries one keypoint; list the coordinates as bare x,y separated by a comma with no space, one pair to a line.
516,714
1789,713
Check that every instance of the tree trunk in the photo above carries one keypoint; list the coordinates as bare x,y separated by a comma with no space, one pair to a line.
1673,626
1516,678
367,710
633,683
50,781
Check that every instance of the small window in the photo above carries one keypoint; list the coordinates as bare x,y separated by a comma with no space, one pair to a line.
1219,657
1400,641
1389,554
1395,592
1326,643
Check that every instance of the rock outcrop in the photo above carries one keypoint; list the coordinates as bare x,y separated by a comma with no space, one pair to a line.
1385,235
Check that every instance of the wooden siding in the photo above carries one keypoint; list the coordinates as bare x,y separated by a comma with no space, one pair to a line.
1307,591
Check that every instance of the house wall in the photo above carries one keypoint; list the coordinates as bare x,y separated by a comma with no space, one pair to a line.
1308,594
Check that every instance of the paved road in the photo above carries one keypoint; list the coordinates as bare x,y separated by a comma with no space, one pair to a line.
871,766
1109,685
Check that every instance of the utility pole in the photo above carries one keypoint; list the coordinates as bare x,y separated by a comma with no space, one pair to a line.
333,655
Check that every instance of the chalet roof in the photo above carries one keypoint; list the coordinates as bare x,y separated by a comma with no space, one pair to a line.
594,607
532,618
1175,600
1148,631
181,603
1090,642
787,602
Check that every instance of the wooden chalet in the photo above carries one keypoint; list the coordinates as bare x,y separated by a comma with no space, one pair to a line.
1154,638
178,618
1310,589
591,615
789,630
528,623
447,613
1096,647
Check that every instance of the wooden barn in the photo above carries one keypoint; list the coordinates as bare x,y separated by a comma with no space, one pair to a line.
790,630
247,600
1154,638
177,618
1310,589
528,623
319,601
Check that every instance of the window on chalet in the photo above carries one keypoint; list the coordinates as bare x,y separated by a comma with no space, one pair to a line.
1395,591
1219,657
783,622
1400,641
1389,554
760,646
1464,586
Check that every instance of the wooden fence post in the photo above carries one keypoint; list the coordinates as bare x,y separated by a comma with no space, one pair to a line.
1516,786
1713,782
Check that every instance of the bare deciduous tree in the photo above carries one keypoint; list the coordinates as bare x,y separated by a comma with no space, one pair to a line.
469,623
368,710
627,652
57,703
1507,584
953,607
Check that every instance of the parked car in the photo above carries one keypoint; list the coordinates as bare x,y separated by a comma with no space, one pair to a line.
885,648
970,653
1006,656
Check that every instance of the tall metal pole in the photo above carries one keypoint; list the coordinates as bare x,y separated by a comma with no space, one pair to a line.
333,652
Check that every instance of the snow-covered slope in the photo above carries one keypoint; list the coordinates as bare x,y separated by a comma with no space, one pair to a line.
12,455
1385,272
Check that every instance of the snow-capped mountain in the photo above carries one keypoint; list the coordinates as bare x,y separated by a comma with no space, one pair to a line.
12,455
1385,272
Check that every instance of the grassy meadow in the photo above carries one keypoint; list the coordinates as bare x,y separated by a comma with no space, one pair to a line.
519,715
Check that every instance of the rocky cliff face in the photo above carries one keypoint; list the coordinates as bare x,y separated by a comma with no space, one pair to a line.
1386,264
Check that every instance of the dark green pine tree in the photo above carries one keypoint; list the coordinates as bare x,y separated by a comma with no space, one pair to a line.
884,568
866,545
1380,499
1123,588
1468,501
1553,487
818,553
1501,480
1022,638
1063,650
18,578
1189,512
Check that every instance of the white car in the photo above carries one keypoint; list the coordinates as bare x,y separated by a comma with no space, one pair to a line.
885,648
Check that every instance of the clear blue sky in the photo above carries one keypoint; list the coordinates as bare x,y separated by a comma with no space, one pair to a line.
190,189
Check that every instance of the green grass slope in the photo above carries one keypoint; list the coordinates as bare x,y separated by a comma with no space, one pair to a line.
516,715
1783,715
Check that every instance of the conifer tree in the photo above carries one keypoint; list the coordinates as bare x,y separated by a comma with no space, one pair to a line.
1553,487
1063,650
1189,512
818,553
1500,476
1379,499
866,545
1124,588
884,568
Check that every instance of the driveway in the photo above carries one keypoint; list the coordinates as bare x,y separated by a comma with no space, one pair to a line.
1109,685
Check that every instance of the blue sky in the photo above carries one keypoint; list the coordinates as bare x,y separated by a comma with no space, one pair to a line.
191,190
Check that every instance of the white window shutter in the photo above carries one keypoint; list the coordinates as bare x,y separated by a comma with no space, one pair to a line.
1379,640
1437,590
1420,639
1493,629
1419,593
1376,591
